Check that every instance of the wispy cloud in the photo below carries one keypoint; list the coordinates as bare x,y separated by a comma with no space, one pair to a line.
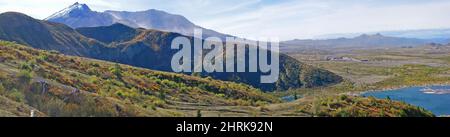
287,19
306,19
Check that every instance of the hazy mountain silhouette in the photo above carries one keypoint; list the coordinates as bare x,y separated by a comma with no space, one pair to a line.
362,41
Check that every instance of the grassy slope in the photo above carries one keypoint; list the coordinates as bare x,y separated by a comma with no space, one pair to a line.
135,44
145,92
122,44
84,87
11,108
347,106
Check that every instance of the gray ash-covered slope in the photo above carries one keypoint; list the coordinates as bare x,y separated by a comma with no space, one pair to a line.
80,15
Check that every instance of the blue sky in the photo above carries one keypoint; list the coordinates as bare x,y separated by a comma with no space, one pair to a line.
285,19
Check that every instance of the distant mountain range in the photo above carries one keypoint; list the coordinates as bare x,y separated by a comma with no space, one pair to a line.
363,41
438,35
142,48
80,15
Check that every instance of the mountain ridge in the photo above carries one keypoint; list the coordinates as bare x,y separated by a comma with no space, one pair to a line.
79,15
362,41
44,35
149,49
438,33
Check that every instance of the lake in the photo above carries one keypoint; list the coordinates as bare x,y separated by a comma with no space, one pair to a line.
433,98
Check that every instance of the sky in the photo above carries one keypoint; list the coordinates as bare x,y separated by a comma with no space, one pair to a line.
283,19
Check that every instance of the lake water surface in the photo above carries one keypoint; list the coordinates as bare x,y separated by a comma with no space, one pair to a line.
433,98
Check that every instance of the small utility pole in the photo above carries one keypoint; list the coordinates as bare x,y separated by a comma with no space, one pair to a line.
32,113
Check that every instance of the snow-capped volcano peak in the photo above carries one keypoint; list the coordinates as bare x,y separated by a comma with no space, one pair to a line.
73,10
80,15
79,6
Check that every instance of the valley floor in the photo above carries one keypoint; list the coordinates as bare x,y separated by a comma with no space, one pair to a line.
377,69
386,68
